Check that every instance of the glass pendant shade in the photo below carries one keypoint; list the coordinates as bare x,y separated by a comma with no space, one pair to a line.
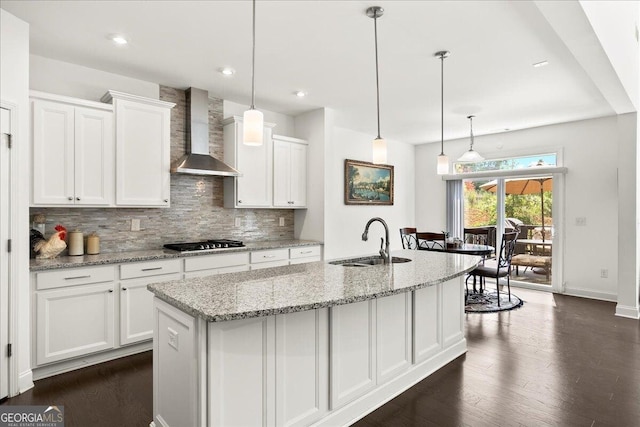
252,127
471,157
443,164
379,151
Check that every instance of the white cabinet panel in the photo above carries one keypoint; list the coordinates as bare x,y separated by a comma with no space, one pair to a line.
94,157
149,268
289,172
269,255
208,262
353,351
142,149
213,271
393,331
302,367
74,321
136,308
427,307
452,312
255,187
242,356
73,277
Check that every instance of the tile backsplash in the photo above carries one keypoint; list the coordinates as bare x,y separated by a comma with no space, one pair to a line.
196,210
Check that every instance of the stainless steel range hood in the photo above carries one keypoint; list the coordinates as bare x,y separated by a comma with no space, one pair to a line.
197,160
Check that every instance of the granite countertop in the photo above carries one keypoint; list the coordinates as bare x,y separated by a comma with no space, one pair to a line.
133,256
307,286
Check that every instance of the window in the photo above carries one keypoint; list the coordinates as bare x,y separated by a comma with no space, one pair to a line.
509,163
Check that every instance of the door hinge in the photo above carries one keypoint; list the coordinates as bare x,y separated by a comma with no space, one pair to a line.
9,350
9,245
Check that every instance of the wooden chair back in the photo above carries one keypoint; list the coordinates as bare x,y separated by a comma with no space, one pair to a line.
430,240
408,238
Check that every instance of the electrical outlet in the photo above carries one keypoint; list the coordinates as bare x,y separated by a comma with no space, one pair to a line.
173,338
238,222
135,224
604,273
581,221
281,221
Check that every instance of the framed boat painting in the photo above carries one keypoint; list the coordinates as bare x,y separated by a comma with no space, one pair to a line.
367,184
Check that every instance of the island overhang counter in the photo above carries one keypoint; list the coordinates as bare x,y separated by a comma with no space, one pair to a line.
307,344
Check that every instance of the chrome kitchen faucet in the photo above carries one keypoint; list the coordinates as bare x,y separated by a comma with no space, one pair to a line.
384,252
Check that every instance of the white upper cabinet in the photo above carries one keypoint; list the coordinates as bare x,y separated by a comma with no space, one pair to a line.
254,188
289,172
73,152
142,150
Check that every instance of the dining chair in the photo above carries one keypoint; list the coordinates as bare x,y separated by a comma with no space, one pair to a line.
429,240
503,266
408,238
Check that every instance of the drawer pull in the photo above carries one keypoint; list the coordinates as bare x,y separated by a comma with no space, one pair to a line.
152,268
110,291
268,256
124,289
306,252
77,277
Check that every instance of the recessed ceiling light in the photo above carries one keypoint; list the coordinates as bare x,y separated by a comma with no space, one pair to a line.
541,64
119,40
227,71
300,93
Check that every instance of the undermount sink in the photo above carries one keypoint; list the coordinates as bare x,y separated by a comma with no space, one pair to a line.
367,261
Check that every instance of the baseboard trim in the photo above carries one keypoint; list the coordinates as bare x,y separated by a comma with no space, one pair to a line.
355,410
25,381
627,311
89,360
587,293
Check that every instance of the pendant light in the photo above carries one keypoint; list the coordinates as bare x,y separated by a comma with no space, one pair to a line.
443,160
471,156
379,144
253,120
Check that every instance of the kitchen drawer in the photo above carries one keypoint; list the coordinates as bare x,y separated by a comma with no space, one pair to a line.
215,261
269,256
304,252
305,260
149,268
269,264
73,277
214,271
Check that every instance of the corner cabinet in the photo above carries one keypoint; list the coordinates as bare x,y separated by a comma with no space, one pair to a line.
73,152
254,188
142,139
289,172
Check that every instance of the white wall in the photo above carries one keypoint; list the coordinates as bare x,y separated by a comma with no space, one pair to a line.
615,24
344,224
14,90
309,223
63,78
285,125
590,152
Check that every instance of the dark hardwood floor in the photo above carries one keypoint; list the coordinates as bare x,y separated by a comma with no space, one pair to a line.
558,361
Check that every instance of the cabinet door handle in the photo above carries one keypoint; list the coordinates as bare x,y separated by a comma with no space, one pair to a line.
77,277
78,198
239,201
152,268
110,291
166,200
124,289
70,198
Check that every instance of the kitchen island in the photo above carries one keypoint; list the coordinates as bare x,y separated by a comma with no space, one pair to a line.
310,344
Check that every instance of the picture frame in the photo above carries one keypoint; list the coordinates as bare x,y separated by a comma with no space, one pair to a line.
367,183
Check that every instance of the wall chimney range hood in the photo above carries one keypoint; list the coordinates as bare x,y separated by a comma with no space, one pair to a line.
197,160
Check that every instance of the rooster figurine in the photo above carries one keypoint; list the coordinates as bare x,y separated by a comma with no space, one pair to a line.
52,247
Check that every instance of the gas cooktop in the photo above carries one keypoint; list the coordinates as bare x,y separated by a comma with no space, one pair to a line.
206,245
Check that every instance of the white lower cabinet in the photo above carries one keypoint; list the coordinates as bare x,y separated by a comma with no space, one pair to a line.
74,321
427,335
393,328
353,351
269,258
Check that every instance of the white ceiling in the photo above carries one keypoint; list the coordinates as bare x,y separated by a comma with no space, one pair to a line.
327,49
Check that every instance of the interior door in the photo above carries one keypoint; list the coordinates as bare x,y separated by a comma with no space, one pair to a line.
5,207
